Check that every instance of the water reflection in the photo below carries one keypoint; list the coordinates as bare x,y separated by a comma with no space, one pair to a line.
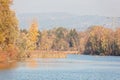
31,63
8,65
74,67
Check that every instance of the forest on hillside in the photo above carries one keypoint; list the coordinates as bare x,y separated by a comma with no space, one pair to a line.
15,42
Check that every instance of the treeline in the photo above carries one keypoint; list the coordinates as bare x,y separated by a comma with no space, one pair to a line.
97,40
102,41
16,43
57,39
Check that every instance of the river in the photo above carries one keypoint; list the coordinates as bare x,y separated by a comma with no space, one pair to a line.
74,67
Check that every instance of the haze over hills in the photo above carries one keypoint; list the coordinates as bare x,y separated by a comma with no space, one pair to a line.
51,20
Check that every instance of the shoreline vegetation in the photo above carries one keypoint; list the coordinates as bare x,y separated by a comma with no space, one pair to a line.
17,44
4,58
51,54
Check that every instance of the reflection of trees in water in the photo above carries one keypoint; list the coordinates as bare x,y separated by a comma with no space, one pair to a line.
32,63
8,65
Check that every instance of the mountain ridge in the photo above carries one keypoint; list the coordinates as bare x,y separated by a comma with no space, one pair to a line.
51,20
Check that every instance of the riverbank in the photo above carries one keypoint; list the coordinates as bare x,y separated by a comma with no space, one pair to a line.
4,57
50,54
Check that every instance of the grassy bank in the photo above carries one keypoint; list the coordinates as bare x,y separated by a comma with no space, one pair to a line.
51,54
5,58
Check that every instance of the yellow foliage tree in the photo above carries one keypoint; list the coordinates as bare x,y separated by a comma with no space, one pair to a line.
32,36
8,24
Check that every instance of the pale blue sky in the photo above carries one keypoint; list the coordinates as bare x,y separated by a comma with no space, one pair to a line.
79,7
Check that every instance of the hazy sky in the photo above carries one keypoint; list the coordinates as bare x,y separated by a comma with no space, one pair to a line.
79,7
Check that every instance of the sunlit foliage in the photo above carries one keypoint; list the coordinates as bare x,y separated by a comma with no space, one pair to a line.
32,36
8,29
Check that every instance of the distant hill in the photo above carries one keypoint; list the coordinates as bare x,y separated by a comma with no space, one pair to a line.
51,20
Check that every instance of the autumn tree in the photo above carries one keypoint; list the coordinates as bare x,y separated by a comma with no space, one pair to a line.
117,42
32,36
99,41
22,43
83,38
8,28
38,43
47,38
8,24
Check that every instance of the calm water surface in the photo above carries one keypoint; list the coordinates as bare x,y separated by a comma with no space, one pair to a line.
74,67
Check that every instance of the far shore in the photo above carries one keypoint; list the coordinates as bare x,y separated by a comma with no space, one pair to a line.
37,54
51,54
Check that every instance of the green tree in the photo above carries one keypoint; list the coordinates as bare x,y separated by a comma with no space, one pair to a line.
60,41
73,39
